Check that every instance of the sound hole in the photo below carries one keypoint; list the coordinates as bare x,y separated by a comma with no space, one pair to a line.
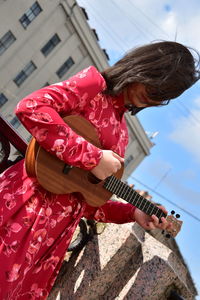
93,179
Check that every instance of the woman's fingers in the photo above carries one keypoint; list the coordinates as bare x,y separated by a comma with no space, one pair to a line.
109,164
162,225
121,159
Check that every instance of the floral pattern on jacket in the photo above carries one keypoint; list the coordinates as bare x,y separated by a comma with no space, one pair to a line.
36,226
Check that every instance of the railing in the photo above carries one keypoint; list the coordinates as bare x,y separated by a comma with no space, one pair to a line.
8,135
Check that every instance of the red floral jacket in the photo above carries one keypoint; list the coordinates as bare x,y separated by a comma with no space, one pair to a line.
36,226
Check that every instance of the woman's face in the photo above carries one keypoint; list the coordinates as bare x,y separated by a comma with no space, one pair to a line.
136,94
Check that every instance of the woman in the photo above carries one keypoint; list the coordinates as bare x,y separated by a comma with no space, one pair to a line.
37,226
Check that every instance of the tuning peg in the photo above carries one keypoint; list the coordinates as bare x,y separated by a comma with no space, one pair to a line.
168,236
172,212
177,216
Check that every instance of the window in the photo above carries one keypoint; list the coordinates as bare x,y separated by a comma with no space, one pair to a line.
65,67
29,138
95,33
46,84
15,122
30,15
50,45
106,54
6,41
3,99
85,13
25,73
128,160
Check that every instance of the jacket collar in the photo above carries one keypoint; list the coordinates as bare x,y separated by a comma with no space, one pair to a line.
118,103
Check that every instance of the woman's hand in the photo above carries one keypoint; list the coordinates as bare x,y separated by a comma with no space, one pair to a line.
151,222
109,164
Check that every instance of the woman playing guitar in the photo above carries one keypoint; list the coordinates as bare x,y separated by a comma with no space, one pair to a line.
36,224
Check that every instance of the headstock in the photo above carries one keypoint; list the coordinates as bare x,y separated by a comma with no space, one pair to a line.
176,224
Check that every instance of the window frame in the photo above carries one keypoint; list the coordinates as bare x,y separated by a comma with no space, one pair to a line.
5,99
15,122
24,73
50,45
28,17
6,41
65,67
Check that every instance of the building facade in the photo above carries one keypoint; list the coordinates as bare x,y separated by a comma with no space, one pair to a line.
43,42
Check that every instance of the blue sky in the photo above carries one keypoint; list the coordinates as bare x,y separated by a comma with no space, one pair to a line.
173,168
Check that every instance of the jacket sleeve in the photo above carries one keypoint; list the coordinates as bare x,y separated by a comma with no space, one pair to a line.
111,212
41,113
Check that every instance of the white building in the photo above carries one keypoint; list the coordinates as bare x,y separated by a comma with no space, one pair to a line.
43,42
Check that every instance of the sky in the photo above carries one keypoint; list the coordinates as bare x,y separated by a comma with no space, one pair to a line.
171,173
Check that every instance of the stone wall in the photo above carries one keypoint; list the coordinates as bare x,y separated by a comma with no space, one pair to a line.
124,262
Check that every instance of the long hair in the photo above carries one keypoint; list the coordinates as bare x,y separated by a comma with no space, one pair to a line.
166,68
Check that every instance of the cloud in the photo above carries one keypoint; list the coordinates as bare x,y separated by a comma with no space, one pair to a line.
123,25
187,132
180,183
181,188
169,24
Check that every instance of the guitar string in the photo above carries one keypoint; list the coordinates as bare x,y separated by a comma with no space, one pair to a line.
123,191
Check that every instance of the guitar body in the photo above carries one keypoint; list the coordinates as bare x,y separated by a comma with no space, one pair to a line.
58,178
49,170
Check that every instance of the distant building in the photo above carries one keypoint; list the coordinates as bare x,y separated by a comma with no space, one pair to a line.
139,145
43,42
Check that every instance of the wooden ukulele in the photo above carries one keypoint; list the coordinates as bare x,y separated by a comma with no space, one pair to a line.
59,178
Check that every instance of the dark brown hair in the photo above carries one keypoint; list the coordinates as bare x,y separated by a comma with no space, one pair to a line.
166,68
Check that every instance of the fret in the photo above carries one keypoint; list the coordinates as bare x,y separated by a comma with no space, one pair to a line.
111,184
136,199
141,204
108,182
130,197
155,210
114,184
120,189
127,191
130,191
117,187
146,206
160,213
150,209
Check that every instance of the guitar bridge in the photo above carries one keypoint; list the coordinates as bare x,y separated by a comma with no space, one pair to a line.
67,168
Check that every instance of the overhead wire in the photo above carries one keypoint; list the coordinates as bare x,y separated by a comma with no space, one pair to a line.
185,113
165,198
184,110
189,112
130,18
105,25
148,18
122,44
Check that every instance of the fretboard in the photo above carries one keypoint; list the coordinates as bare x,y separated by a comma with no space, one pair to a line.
123,191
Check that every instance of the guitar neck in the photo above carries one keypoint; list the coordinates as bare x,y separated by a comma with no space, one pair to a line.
122,190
